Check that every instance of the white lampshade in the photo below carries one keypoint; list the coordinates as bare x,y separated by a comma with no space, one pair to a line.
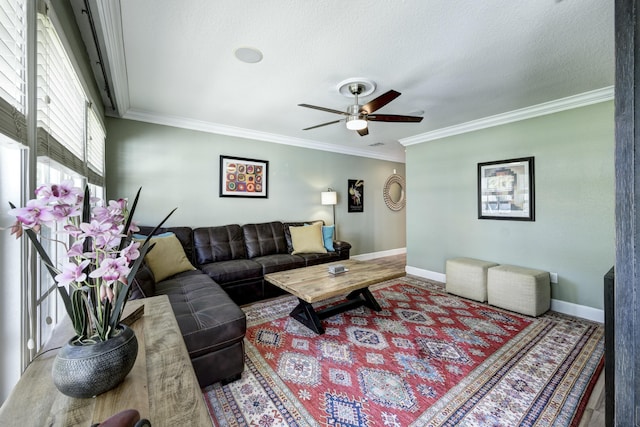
356,123
329,197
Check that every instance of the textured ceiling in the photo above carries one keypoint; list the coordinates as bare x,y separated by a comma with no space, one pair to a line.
457,61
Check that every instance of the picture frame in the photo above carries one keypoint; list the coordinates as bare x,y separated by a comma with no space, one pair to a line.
506,189
355,199
243,177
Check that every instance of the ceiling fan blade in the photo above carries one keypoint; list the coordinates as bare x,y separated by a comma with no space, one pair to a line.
363,132
380,101
323,124
328,110
394,118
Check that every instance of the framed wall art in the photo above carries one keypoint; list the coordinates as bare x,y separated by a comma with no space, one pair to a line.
506,190
241,177
356,195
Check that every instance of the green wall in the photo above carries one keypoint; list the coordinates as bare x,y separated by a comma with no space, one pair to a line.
180,168
573,233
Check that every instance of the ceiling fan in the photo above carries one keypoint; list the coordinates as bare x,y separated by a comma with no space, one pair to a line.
358,115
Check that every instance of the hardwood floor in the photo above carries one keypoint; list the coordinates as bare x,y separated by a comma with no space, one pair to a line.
594,413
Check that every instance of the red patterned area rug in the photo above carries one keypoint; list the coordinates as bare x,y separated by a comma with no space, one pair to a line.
427,359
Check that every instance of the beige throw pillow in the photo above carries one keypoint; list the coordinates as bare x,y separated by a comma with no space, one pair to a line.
167,257
307,239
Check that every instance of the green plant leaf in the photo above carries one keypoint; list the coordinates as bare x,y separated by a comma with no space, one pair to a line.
78,313
118,307
125,242
86,205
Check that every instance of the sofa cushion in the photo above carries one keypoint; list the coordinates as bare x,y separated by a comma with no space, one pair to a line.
307,239
214,244
208,319
287,232
315,259
166,257
144,284
266,238
327,236
184,235
233,270
279,262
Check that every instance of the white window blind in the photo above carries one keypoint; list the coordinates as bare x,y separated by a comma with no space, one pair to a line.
61,99
95,143
13,28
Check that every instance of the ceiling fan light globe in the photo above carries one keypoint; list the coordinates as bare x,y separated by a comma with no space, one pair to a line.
356,123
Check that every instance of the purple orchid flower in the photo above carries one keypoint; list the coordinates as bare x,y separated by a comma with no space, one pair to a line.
100,214
76,250
114,212
72,273
111,270
64,193
94,252
73,230
35,213
131,252
17,229
118,207
111,239
133,227
106,293
62,212
99,231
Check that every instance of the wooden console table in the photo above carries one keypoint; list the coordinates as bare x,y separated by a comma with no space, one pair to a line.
162,385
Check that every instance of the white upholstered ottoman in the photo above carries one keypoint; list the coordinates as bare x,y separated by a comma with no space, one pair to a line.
467,277
523,290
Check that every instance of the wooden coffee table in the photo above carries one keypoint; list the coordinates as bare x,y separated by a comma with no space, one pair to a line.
315,283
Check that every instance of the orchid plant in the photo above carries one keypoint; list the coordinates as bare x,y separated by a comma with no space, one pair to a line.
101,258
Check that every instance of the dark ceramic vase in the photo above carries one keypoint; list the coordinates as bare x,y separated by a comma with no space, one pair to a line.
89,370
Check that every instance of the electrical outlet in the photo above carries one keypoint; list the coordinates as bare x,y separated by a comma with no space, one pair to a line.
554,277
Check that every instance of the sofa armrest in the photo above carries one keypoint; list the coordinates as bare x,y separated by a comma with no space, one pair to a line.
342,248
144,283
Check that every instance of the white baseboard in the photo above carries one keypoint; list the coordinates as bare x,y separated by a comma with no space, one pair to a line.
431,275
373,255
583,311
569,308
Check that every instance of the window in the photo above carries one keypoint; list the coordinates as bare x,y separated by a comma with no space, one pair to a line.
61,101
13,27
69,143
12,53
95,143
70,146
11,271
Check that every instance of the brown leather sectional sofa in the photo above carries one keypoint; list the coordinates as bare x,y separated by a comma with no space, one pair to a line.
230,261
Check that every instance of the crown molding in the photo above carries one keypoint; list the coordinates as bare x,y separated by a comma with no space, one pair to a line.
208,127
568,103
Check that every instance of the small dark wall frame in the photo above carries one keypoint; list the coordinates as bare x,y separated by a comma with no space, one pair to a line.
242,177
506,189
355,190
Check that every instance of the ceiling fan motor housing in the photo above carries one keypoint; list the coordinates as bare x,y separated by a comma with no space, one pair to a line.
356,120
354,110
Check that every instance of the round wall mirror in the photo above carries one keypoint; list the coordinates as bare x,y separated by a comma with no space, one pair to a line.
393,192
